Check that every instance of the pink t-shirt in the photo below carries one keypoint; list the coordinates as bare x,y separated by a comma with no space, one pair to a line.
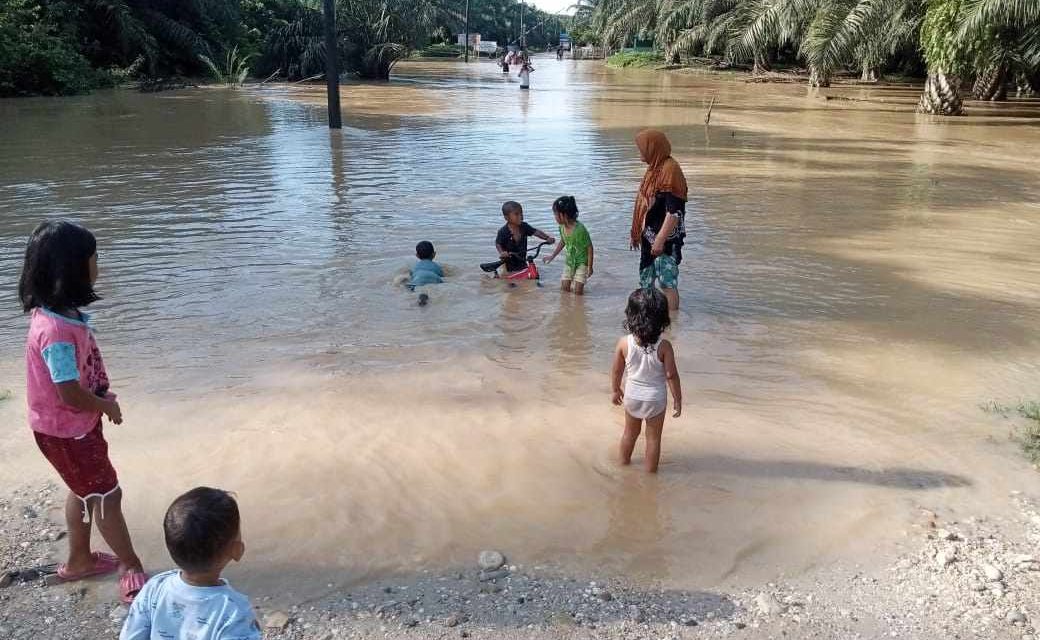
61,349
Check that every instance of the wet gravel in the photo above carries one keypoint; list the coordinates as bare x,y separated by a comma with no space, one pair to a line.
976,578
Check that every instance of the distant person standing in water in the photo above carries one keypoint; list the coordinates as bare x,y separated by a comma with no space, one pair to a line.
659,216
525,73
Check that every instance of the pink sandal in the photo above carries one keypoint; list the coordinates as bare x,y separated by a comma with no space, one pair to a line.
130,584
104,564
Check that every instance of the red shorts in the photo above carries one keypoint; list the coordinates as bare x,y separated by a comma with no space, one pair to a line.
81,462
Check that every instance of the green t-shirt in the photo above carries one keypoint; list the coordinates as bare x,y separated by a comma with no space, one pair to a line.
576,245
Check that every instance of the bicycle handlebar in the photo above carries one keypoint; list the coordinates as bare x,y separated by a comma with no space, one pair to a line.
492,266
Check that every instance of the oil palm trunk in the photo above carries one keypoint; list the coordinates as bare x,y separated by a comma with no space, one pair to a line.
818,77
991,84
942,96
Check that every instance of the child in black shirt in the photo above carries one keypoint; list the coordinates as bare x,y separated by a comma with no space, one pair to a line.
511,241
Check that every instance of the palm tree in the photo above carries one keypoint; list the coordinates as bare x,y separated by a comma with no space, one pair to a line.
989,38
1009,37
829,35
295,43
373,35
169,36
618,20
863,34
707,27
990,41
760,25
379,33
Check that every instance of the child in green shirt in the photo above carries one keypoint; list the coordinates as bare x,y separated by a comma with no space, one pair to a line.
575,239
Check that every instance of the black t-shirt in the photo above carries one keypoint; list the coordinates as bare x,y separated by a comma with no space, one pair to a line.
664,204
506,240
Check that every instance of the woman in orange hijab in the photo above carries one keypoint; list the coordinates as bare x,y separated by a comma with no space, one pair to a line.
659,217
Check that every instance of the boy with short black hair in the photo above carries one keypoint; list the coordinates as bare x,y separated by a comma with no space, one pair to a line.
426,271
203,535
511,240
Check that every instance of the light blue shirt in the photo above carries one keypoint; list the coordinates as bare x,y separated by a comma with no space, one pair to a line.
60,357
168,608
426,272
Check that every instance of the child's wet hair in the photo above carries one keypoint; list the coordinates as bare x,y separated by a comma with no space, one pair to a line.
424,250
510,206
646,315
56,272
199,526
566,206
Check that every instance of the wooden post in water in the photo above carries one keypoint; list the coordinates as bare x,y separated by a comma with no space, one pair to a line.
466,42
332,65
707,116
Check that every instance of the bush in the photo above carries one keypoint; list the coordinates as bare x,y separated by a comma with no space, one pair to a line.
441,50
637,59
36,57
1028,436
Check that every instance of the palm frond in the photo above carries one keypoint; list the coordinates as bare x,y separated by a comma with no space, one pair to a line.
759,24
213,69
979,15
829,38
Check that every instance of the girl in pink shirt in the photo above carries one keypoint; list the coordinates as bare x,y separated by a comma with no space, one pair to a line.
67,392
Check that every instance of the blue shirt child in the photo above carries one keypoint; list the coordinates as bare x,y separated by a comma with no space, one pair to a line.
168,607
426,272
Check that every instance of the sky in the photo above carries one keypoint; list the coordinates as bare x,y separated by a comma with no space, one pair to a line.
553,6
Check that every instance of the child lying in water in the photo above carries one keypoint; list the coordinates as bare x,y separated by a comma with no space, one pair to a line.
426,271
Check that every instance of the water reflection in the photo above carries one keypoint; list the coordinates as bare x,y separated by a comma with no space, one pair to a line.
339,185
638,524
570,341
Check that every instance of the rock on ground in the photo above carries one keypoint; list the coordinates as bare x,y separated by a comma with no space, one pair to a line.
490,560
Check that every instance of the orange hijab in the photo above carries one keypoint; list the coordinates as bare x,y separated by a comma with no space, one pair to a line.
663,173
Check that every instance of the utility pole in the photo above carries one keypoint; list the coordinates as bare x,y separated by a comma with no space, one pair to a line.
523,34
466,43
332,65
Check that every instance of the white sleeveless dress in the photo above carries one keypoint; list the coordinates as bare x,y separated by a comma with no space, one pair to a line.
646,386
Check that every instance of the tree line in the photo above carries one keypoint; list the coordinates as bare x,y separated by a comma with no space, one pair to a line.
976,47
60,47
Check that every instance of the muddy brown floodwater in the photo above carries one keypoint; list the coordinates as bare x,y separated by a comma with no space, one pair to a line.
858,280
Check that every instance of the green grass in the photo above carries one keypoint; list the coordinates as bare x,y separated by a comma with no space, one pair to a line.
635,59
1029,436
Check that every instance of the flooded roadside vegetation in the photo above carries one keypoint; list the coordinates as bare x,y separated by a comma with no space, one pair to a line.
859,295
